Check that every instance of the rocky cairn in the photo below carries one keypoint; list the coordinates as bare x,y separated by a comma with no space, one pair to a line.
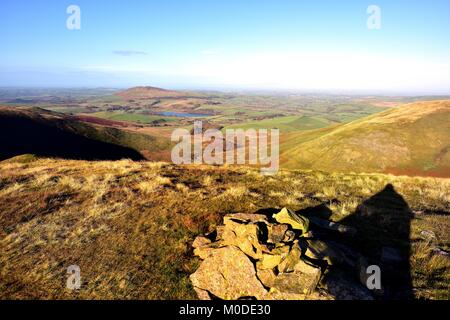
256,256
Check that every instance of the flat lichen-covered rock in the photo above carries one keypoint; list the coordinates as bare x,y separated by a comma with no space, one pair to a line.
228,274
277,233
301,281
296,221
244,236
292,259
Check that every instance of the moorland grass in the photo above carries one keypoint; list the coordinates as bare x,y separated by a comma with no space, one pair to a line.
130,225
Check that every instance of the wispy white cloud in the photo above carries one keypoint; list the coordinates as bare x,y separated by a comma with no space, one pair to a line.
118,69
127,53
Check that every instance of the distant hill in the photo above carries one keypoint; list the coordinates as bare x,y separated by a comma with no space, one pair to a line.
150,93
51,134
413,139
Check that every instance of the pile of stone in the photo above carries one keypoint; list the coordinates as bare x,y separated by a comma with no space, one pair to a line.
255,256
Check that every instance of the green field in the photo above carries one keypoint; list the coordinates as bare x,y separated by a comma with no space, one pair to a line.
285,124
132,117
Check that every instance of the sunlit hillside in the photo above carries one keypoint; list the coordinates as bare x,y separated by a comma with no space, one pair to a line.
412,139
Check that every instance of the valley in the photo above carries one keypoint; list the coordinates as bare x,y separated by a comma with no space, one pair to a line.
321,132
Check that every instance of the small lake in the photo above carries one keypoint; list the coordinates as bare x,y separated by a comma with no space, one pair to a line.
183,115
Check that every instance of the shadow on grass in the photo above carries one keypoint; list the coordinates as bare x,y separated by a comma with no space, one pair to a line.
382,236
383,225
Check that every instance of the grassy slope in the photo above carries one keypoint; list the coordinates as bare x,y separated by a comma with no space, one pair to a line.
413,139
285,124
136,141
130,225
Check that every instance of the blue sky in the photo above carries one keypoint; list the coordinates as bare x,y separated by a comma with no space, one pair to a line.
304,45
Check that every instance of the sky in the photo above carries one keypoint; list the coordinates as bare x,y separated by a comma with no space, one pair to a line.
229,44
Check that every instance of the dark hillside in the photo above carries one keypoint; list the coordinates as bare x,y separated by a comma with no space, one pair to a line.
26,133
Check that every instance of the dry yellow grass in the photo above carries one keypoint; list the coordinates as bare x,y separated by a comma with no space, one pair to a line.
130,225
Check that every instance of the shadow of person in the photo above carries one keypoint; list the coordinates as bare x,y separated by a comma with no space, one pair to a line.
379,231
383,224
